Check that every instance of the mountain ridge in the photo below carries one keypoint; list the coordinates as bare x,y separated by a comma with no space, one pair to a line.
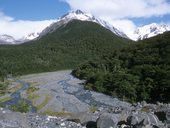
150,30
139,33
79,15
64,48
74,15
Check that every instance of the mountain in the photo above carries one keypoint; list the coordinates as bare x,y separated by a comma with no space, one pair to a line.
6,39
140,72
63,48
79,15
150,30
31,36
75,15
139,34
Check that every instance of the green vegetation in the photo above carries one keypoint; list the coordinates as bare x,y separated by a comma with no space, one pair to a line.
45,102
140,72
32,89
32,96
3,88
64,48
22,106
13,88
5,99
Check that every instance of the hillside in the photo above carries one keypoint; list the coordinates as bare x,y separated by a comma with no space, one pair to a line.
140,72
66,47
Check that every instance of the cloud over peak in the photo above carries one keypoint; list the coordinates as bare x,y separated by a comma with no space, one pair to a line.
120,12
20,28
122,8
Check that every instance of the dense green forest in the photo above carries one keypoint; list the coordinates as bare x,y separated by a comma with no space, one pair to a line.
65,48
139,72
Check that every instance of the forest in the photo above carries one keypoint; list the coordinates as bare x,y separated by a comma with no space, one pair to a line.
139,72
64,48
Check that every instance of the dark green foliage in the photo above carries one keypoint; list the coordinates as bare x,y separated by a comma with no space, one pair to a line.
22,106
65,48
140,72
3,88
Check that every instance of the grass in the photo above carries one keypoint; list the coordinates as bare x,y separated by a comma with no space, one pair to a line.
32,97
3,87
32,89
45,102
22,106
92,108
5,99
14,89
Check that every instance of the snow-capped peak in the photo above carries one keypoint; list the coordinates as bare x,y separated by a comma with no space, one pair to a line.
31,36
80,15
150,30
6,39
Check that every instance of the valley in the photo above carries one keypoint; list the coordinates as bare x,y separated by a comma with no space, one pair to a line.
58,92
61,101
81,72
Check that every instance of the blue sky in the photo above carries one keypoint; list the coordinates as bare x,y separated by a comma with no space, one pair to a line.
19,17
33,9
52,9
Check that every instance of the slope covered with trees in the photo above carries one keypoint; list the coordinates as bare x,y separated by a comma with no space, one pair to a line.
65,48
139,72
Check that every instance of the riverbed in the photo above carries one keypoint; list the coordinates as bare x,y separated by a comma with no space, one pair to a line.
61,93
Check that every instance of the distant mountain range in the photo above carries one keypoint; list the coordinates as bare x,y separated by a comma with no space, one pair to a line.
139,34
150,30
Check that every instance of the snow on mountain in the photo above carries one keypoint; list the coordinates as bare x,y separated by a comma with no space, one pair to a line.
6,39
31,36
150,30
79,15
140,33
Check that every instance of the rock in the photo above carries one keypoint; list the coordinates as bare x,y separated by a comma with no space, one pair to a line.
82,118
140,120
107,120
143,103
62,124
161,115
91,124
168,115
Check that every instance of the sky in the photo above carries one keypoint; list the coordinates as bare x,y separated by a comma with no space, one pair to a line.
20,17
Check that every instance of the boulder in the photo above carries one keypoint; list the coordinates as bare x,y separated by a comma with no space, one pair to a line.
82,118
140,120
168,115
107,120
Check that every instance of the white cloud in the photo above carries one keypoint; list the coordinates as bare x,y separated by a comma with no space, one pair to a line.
118,9
125,25
3,17
118,12
20,28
